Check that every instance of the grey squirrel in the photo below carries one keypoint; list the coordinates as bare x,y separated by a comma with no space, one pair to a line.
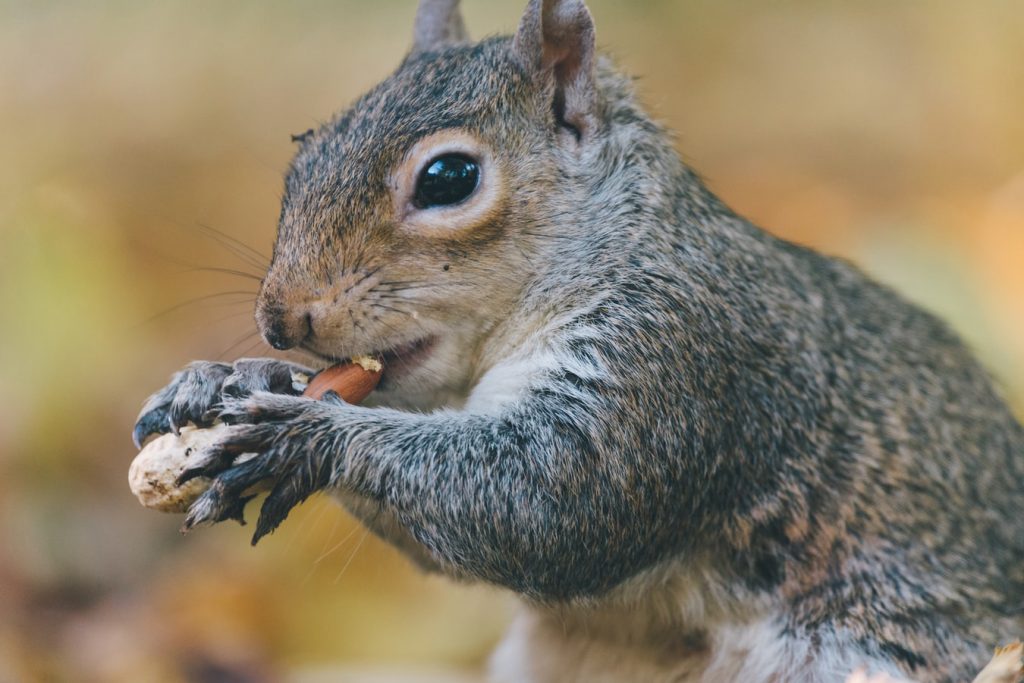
698,452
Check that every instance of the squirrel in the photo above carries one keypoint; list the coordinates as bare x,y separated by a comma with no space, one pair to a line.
696,451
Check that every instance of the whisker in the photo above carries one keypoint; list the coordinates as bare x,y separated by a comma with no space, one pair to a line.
308,524
391,308
366,276
547,236
351,557
250,349
324,551
251,297
239,248
238,342
390,296
193,267
334,548
422,284
406,282
237,315
226,271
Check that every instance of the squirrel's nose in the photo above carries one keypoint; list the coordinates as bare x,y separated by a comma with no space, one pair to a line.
284,329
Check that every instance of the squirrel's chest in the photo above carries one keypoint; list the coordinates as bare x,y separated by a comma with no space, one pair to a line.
539,650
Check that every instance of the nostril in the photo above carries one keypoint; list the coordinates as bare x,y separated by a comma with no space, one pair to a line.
284,327
273,323
277,338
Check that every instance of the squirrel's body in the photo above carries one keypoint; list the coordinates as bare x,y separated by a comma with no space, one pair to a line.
699,452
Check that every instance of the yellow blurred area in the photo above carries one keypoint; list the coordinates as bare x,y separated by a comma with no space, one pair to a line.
887,131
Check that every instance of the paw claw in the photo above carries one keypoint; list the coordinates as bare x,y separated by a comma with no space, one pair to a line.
199,514
194,394
237,510
190,474
272,444
148,424
267,523
286,494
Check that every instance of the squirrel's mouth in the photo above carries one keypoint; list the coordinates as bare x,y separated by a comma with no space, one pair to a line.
400,360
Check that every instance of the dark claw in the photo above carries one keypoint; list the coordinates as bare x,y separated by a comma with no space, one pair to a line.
259,374
215,461
194,395
189,412
233,388
212,463
234,511
331,396
153,422
233,411
237,510
284,496
241,411
198,392
273,427
153,418
225,498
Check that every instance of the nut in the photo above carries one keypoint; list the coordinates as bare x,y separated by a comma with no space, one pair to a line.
153,475
352,381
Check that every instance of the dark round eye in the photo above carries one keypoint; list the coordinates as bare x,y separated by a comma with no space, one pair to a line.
446,180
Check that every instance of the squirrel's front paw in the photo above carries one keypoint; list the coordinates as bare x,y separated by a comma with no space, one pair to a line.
283,438
195,393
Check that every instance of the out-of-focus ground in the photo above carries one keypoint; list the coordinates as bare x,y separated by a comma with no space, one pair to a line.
890,132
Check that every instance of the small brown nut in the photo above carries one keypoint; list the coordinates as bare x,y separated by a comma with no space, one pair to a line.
352,381
153,475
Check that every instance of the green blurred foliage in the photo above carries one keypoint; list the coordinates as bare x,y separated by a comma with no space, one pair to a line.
887,132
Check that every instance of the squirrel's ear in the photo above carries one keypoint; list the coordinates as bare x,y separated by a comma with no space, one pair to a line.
556,39
438,23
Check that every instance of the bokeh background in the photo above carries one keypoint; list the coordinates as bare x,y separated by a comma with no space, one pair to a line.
140,139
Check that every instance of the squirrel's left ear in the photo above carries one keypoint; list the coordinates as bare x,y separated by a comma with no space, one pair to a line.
438,23
556,40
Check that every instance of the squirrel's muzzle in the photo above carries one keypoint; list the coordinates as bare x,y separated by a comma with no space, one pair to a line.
283,329
284,324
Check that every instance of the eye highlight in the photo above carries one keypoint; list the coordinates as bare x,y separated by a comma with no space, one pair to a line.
449,179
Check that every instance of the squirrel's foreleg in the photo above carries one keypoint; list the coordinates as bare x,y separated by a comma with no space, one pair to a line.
530,497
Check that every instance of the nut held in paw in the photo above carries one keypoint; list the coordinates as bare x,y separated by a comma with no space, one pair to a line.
154,473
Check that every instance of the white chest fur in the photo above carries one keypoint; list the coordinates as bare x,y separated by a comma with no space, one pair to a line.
540,648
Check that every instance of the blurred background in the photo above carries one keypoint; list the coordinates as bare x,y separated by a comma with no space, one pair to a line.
140,139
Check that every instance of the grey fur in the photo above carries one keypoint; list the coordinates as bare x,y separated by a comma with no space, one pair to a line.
438,24
197,390
707,400
556,39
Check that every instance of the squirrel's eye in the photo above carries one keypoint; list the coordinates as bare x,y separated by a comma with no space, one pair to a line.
446,180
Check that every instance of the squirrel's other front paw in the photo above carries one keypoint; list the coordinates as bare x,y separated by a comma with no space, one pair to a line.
195,393
281,437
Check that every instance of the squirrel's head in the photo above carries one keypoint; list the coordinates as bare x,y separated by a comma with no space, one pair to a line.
409,222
